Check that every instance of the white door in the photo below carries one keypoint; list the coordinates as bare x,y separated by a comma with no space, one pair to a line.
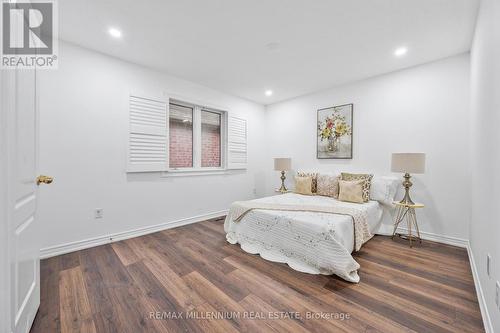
23,264
24,248
20,259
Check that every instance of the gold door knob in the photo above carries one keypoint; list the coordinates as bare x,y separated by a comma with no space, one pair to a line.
44,179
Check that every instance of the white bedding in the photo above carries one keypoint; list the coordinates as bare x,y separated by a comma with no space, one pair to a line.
311,242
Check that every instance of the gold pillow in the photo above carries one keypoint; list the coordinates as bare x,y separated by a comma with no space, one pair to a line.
328,186
351,190
314,176
366,186
303,185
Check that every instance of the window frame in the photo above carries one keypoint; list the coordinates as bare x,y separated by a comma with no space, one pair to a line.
197,169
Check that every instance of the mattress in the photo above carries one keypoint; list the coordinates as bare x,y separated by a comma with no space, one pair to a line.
310,242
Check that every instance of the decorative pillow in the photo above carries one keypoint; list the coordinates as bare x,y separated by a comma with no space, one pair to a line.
384,189
351,190
328,185
366,186
314,177
303,185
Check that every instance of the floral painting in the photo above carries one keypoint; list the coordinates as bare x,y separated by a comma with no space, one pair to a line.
334,134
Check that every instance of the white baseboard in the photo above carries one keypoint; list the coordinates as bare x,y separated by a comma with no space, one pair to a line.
56,250
488,327
460,242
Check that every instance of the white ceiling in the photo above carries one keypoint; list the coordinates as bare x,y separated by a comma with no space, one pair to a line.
292,47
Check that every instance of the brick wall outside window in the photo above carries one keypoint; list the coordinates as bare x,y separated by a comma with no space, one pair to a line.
181,144
210,145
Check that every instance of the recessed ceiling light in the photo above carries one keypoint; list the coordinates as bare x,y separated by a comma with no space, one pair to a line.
269,92
400,51
114,32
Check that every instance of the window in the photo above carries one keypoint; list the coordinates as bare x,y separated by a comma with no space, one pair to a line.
167,135
195,137
180,136
210,139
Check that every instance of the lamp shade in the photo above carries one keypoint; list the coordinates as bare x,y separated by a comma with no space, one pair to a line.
408,162
282,164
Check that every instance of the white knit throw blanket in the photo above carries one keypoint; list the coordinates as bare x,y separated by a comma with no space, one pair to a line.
360,219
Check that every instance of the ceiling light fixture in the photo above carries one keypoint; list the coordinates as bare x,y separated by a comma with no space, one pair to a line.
269,92
400,51
116,33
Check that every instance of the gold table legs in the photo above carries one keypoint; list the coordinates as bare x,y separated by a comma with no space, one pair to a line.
408,213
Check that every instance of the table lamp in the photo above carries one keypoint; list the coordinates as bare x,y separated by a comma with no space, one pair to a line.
408,163
282,164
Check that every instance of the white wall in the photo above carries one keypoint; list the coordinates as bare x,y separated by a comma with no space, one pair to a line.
485,113
422,109
83,143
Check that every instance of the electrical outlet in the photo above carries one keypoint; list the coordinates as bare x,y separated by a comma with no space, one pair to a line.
254,191
497,295
98,213
488,265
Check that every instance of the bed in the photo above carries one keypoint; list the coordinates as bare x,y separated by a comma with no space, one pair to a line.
308,241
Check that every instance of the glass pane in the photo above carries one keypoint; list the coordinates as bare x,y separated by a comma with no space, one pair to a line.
210,139
181,136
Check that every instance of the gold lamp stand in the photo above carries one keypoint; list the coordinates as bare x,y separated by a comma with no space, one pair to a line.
407,184
283,188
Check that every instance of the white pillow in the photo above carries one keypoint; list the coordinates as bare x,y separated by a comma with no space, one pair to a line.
384,189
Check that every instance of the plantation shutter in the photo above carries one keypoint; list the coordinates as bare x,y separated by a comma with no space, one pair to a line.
148,134
236,143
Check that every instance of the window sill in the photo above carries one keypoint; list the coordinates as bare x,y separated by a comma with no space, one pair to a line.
197,172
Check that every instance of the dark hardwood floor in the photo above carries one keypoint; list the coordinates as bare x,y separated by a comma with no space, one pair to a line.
142,284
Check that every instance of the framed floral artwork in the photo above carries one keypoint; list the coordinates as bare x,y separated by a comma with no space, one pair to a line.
334,134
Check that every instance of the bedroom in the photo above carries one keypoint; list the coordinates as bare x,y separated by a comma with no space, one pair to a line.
164,130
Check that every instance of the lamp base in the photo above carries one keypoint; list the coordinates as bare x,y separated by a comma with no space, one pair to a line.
407,184
283,188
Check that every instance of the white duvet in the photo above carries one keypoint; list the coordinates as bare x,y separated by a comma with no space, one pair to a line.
310,242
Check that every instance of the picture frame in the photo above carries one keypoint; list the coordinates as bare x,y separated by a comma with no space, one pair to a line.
334,132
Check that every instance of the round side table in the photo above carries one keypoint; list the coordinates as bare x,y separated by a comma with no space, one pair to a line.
406,212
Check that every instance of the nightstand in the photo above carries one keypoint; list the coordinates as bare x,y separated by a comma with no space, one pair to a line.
407,212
